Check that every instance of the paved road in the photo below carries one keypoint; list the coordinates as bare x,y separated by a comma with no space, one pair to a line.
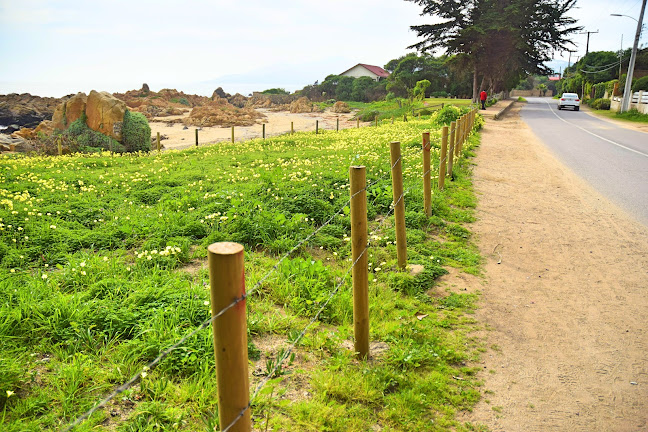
614,160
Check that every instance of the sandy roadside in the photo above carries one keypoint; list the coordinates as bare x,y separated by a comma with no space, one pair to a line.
564,299
277,123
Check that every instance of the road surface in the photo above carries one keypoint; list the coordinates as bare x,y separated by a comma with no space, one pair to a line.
614,160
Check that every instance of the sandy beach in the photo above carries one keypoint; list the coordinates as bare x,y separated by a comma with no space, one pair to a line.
277,123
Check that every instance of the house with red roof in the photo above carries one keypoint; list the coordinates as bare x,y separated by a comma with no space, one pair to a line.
374,72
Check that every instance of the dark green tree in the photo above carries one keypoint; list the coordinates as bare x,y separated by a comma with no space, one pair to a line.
501,41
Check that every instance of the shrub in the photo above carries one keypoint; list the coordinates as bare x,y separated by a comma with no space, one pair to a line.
601,104
369,115
439,94
88,140
136,132
448,114
640,84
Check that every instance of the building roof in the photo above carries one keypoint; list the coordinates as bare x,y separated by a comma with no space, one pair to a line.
376,70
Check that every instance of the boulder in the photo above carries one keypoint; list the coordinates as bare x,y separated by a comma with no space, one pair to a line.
45,127
221,113
25,133
238,100
105,114
340,107
145,88
75,107
220,93
301,105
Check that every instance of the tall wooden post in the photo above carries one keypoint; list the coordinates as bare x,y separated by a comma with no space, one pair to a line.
358,122
60,146
232,134
158,142
316,127
337,126
359,256
263,130
427,183
227,283
196,137
444,155
451,146
292,128
399,203
459,136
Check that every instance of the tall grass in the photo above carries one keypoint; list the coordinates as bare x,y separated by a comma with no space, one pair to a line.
102,267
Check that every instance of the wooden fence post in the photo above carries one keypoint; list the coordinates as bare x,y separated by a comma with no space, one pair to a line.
158,142
399,203
292,128
232,134
196,137
459,136
316,127
443,156
404,117
358,122
427,183
337,125
227,283
263,131
359,255
451,146
60,146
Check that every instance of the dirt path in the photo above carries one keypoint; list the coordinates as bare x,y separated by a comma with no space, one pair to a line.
565,301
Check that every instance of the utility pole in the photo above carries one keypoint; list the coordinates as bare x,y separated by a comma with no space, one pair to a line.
588,33
627,91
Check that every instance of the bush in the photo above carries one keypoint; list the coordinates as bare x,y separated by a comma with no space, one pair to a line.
601,104
369,115
136,132
88,140
640,84
448,114
439,94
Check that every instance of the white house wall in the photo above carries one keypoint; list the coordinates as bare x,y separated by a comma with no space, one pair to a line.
359,71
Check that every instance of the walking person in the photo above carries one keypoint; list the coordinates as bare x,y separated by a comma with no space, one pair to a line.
482,97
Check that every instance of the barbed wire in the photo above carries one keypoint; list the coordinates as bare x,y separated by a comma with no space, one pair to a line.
254,288
209,321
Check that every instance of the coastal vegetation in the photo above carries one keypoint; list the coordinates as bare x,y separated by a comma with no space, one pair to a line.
102,267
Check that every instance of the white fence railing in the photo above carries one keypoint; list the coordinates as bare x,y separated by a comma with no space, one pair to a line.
638,100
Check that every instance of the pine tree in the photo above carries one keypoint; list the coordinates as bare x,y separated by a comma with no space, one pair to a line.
502,41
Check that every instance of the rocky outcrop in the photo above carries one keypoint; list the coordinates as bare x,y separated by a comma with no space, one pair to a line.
303,105
69,111
25,110
105,114
221,113
238,100
340,107
221,94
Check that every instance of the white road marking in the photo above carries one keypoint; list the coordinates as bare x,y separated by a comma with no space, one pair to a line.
592,133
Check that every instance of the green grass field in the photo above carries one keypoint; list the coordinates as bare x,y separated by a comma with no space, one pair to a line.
102,267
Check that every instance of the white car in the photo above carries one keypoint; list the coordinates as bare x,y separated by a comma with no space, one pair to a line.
569,100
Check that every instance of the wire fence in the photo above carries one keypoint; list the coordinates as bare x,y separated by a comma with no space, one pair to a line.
290,348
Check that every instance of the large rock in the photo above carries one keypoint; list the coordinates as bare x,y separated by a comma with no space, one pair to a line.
221,113
105,114
26,110
69,111
301,105
340,107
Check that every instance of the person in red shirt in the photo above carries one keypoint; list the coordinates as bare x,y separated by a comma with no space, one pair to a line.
482,96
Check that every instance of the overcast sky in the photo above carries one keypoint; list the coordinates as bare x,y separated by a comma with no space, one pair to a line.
56,47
